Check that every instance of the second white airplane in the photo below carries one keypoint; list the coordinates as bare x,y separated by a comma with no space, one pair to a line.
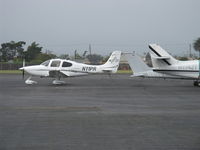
62,68
164,66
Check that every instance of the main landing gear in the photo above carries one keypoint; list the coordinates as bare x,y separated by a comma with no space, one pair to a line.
58,82
196,83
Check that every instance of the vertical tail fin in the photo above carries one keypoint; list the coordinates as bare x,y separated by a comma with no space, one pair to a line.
161,58
112,63
137,64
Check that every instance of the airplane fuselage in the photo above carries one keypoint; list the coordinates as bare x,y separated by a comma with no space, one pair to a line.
65,66
188,69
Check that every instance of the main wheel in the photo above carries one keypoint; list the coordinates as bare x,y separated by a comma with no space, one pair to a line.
58,82
196,83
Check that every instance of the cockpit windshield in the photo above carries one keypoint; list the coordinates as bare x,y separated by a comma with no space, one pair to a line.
46,63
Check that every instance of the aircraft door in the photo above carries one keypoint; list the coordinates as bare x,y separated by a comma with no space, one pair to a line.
55,64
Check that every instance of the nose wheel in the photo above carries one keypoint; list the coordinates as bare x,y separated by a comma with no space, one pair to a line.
30,82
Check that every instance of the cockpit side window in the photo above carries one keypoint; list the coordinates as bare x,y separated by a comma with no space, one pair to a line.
46,63
55,63
66,64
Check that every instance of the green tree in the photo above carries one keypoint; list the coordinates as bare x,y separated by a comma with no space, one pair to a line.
64,56
11,50
105,58
94,58
20,49
196,45
77,55
32,51
42,57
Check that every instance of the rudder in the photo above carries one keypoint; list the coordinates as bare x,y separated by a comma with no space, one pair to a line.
112,63
161,58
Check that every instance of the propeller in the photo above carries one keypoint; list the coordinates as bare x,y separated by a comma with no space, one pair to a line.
23,72
23,65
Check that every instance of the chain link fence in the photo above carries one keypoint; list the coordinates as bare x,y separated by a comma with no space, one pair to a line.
11,66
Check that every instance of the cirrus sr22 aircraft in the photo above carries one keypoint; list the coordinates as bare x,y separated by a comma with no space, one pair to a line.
164,66
62,68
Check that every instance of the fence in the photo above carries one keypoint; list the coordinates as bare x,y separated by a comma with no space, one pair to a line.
11,66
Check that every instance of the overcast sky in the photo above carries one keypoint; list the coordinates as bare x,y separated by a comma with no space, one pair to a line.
65,25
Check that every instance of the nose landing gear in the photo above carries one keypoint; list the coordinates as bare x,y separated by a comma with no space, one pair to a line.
30,82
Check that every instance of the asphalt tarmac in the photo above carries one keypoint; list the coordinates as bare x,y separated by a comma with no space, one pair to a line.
99,112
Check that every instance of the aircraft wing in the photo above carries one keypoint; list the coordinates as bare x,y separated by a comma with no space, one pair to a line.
64,74
73,73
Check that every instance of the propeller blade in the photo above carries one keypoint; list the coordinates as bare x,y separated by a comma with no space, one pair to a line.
23,72
23,65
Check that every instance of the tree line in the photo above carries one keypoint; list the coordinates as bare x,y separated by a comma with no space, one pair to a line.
15,52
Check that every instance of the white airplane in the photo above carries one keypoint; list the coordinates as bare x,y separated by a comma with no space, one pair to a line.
62,68
164,66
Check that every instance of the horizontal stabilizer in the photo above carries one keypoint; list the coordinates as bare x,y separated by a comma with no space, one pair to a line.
107,70
163,57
